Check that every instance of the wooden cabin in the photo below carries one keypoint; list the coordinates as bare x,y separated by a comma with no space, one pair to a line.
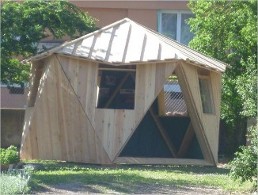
123,94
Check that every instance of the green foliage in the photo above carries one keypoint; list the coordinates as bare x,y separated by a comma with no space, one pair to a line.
9,155
15,182
227,31
244,165
25,23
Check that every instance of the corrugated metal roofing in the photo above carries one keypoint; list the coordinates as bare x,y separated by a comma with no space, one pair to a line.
127,42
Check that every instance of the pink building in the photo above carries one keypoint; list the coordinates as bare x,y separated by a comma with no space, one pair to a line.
166,17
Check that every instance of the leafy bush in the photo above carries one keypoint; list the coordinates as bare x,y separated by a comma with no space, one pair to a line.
15,182
9,155
244,165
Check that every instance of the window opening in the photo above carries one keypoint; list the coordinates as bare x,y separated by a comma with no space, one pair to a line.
205,92
116,88
16,90
172,101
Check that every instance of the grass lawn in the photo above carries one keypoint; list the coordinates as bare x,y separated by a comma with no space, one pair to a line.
132,178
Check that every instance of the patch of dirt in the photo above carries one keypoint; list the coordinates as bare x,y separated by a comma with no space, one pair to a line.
79,188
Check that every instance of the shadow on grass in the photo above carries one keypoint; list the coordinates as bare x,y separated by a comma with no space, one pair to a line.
76,177
100,181
81,182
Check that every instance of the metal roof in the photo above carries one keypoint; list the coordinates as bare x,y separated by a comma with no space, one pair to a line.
127,42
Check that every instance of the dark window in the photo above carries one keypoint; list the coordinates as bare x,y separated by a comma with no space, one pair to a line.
116,87
16,90
206,98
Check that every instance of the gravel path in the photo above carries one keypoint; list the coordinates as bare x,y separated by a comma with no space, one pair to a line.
77,188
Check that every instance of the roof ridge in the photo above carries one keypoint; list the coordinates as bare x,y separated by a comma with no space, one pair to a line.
169,40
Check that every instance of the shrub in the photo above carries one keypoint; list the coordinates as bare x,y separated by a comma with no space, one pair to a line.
9,155
244,165
15,182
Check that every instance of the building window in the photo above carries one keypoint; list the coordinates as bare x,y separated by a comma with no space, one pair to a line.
206,95
116,87
174,25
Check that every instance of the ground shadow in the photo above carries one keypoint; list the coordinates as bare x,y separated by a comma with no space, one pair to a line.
83,180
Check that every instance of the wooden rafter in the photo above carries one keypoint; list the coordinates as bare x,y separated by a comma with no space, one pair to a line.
116,90
185,144
193,113
164,134
161,103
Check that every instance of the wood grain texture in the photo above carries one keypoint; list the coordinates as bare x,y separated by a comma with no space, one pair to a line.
149,83
114,127
82,76
211,121
111,125
65,124
29,145
60,124
25,151
188,80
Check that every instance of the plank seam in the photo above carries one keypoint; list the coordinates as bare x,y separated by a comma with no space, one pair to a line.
60,64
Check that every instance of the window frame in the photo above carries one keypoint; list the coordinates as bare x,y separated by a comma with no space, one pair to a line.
179,20
210,92
110,68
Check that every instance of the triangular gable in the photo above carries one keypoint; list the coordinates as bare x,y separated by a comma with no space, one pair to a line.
126,42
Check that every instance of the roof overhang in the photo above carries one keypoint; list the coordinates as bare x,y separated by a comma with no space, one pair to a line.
127,42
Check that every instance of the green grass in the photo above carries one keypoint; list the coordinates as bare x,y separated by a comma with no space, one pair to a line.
130,179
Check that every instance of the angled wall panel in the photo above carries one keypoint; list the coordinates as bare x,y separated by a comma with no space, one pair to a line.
148,86
114,127
39,72
60,125
211,121
188,79
82,76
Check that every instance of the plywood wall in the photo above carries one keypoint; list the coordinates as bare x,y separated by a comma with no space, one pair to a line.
206,124
64,123
59,128
114,127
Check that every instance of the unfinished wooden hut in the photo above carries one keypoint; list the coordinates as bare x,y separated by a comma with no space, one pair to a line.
123,94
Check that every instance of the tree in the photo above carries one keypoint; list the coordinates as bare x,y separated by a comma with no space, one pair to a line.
227,31
25,23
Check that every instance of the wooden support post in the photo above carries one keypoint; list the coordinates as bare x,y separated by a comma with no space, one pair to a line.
116,90
161,103
185,144
37,72
164,134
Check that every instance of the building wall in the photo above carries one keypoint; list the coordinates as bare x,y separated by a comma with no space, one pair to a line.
13,100
11,126
12,115
144,12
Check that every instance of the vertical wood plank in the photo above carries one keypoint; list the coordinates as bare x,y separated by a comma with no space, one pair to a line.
188,80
